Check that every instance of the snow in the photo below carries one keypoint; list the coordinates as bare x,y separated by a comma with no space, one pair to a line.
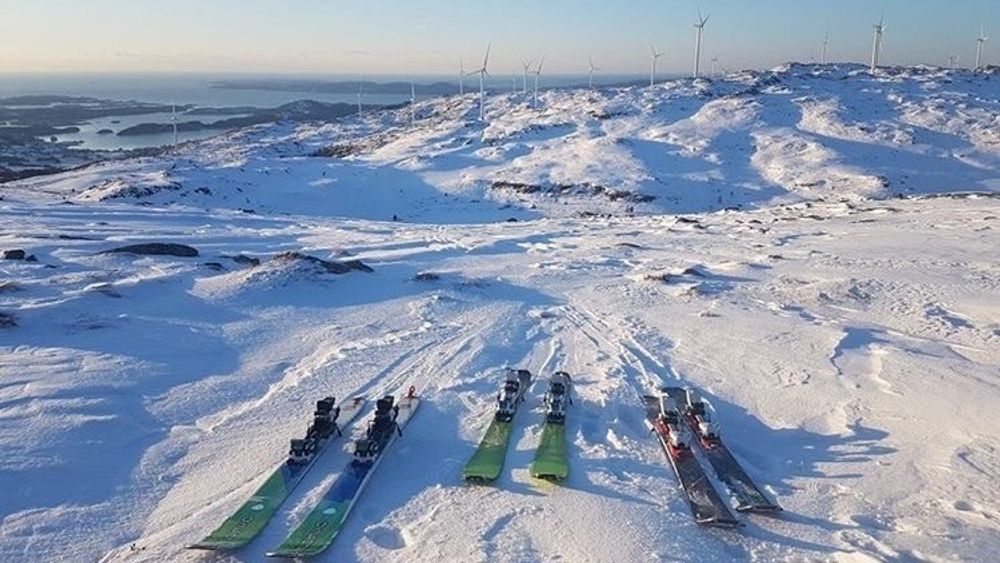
849,339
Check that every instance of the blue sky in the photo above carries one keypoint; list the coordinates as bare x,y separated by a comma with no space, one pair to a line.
429,36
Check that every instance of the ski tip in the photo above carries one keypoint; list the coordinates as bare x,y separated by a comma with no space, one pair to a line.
412,393
212,546
760,509
550,477
721,523
289,554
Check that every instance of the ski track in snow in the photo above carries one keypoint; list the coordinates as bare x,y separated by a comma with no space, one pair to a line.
849,346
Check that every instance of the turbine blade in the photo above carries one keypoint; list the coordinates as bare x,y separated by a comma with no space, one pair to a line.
486,59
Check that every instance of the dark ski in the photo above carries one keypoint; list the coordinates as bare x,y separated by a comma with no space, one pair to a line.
706,505
749,497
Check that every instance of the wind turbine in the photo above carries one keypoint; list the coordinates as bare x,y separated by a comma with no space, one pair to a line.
700,26
461,77
538,72
877,43
715,61
653,55
826,45
483,73
173,120
952,61
590,80
527,69
980,41
413,104
360,113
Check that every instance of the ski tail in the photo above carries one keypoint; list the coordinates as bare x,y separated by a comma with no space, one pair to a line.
248,521
487,463
550,458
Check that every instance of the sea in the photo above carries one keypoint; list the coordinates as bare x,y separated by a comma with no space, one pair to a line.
198,90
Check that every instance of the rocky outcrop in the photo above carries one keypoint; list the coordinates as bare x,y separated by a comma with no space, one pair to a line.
156,249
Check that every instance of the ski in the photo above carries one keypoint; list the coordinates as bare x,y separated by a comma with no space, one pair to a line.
486,464
325,521
550,457
707,507
749,497
248,521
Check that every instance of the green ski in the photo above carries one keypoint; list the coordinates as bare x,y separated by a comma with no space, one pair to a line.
250,519
487,462
550,457
325,521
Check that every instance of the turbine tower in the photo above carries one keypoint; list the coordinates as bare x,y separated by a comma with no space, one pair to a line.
877,43
980,41
461,77
538,72
590,79
653,55
826,45
527,69
173,120
483,73
700,26
413,104
715,61
952,61
360,113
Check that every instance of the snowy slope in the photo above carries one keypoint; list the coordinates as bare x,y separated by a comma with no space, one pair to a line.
851,346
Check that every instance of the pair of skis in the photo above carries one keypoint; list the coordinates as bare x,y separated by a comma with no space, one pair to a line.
550,457
666,419
327,518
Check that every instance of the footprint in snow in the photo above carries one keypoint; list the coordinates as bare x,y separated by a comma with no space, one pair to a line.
386,537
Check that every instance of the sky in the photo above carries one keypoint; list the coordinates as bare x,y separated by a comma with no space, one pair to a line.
377,37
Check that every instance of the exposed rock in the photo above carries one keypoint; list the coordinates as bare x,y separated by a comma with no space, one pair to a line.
583,189
426,277
156,249
328,265
7,320
245,260
15,254
214,266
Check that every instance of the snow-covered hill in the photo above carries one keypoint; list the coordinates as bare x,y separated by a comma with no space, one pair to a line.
796,133
848,339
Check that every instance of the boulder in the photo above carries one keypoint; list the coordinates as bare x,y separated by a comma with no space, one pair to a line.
15,254
329,266
156,249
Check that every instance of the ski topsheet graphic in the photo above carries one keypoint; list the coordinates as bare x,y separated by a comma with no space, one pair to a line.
487,462
325,521
248,521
